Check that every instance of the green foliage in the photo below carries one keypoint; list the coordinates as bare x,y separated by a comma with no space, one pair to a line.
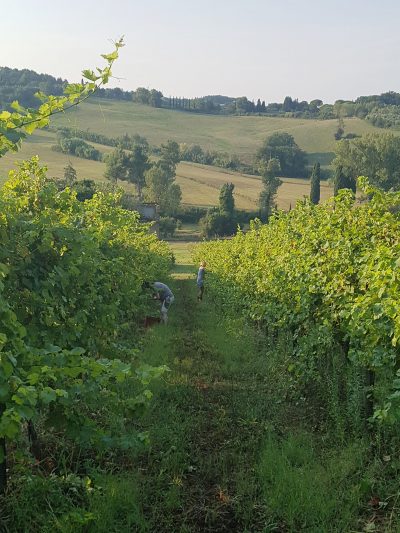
221,222
137,165
374,155
161,188
170,153
70,175
342,180
196,154
30,499
16,124
269,171
61,262
385,117
283,147
148,97
307,493
340,129
84,189
125,141
167,226
217,224
78,148
116,165
226,200
329,278
315,179
128,166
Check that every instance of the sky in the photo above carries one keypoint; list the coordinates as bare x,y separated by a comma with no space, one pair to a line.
264,49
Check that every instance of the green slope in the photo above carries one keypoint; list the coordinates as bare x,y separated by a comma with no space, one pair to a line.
242,135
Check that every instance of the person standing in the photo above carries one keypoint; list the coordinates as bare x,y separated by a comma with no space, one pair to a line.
200,280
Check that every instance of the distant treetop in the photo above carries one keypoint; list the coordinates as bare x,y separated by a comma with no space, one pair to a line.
381,110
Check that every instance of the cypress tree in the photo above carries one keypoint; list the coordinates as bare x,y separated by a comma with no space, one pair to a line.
226,199
269,173
315,192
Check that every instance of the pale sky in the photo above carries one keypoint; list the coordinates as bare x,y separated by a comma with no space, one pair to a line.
266,49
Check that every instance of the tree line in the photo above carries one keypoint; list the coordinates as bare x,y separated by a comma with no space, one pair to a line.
152,171
381,110
376,156
193,153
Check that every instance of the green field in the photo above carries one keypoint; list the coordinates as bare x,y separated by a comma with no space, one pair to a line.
237,134
200,184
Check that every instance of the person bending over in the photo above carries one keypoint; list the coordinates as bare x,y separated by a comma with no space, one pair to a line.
163,293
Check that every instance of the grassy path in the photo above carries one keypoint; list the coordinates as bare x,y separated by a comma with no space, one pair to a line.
205,425
230,449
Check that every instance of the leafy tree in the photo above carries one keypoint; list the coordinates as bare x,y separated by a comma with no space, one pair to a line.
155,98
70,175
243,105
78,147
124,141
226,200
221,221
161,189
326,112
160,180
282,146
142,95
137,165
315,192
128,166
288,104
85,189
341,180
192,153
116,165
269,172
316,103
340,129
374,155
167,226
170,153
216,224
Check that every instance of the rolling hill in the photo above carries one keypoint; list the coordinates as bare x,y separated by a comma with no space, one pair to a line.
235,134
200,184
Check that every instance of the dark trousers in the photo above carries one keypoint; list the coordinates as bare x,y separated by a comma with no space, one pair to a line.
201,292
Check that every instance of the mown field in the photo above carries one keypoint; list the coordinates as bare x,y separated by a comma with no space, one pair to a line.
200,184
241,135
